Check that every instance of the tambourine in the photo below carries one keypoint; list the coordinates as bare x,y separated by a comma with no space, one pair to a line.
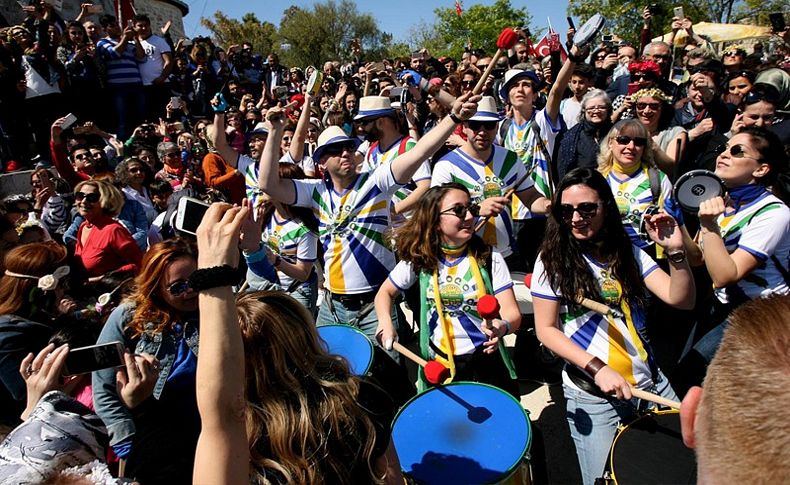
589,30
695,187
314,83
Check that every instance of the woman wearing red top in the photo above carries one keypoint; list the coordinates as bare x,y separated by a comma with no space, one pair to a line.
104,245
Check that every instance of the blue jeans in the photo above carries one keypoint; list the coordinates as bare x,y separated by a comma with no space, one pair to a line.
343,315
306,294
593,423
129,104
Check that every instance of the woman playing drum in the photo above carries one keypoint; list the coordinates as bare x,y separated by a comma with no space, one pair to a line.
745,238
587,253
440,251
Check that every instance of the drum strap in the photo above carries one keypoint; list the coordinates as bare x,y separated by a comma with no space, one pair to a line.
655,184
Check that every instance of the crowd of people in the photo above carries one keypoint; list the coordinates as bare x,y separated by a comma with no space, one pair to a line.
390,184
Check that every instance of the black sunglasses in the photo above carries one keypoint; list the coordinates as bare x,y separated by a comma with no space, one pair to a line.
625,140
755,96
179,287
467,83
459,210
586,210
645,76
338,149
736,151
82,156
92,197
475,125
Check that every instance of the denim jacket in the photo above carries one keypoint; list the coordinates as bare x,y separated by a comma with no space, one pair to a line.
118,419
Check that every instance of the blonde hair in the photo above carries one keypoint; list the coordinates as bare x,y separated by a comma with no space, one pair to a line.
111,199
747,440
303,418
635,128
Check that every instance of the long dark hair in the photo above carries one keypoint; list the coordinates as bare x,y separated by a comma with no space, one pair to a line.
303,214
563,255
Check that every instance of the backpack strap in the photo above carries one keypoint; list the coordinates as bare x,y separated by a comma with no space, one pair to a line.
503,129
402,146
486,272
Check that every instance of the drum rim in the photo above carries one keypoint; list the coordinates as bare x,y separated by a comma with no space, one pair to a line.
370,345
620,432
690,174
599,24
510,471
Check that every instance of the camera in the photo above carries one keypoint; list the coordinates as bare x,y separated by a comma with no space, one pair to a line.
399,97
655,9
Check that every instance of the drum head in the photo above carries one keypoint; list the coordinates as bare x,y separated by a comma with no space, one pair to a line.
589,30
314,83
461,433
651,451
695,187
350,343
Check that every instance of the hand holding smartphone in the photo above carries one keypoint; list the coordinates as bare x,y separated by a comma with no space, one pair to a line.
189,214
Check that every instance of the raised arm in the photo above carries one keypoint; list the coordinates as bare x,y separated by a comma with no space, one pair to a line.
560,84
222,455
296,150
405,165
269,170
217,135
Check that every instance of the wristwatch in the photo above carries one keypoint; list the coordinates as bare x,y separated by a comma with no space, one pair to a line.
677,256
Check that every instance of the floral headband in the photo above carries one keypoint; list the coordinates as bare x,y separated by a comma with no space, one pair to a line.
47,282
651,93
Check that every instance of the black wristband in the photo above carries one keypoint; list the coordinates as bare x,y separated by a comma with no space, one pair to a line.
207,278
455,118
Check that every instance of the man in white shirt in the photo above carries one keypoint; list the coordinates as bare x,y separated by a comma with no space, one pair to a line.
156,69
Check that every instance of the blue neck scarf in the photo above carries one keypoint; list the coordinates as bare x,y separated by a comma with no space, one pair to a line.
746,193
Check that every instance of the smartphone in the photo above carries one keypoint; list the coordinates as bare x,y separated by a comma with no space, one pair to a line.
94,357
777,22
677,74
570,23
633,87
96,9
175,102
69,120
678,12
189,213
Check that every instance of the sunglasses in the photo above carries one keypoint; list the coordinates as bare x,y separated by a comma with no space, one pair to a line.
467,83
592,109
755,96
736,151
92,197
172,154
586,210
82,156
653,106
460,211
643,76
625,140
476,125
136,170
179,287
732,54
338,149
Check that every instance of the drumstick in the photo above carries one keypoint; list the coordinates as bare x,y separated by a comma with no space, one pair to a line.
587,303
507,39
509,193
649,396
488,309
435,372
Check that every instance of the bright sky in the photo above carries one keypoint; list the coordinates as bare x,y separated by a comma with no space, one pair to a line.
393,16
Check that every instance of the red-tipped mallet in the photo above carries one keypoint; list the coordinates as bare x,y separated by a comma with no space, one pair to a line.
488,309
506,40
435,372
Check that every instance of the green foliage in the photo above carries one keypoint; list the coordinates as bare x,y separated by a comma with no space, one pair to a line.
325,32
480,24
227,31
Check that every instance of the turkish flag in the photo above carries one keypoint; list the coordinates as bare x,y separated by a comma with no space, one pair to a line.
458,10
543,48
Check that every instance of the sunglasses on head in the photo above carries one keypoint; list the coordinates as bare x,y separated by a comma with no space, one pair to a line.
476,125
736,151
653,106
338,149
91,197
179,287
755,96
460,210
625,140
586,210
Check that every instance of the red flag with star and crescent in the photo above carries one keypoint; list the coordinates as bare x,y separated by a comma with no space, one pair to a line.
458,9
